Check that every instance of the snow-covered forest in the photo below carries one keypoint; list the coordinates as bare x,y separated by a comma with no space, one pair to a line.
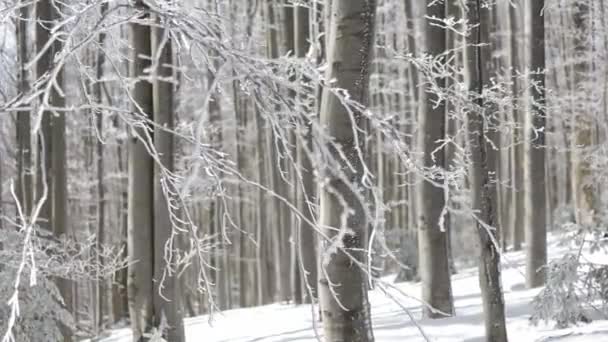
303,170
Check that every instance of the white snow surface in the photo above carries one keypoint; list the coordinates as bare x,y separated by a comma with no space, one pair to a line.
286,322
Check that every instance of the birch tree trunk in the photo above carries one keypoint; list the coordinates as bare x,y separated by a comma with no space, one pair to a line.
432,241
534,167
349,56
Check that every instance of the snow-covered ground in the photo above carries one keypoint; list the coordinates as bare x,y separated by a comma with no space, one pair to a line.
274,323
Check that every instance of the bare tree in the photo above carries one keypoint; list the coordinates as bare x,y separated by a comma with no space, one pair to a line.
480,176
141,195
167,292
534,164
52,153
24,149
432,235
103,286
343,288
306,200
584,191
517,231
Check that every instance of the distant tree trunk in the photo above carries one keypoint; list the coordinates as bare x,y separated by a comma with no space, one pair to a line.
534,166
432,241
307,239
60,192
24,148
411,12
167,295
489,266
410,243
262,250
120,305
515,12
44,14
1,205
103,286
141,196
584,191
281,282
453,41
349,56
287,230
52,139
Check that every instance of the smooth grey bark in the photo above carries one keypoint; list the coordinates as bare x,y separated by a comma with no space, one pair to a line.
480,178
306,196
411,14
410,242
430,198
517,230
140,189
120,298
584,191
263,256
44,12
534,167
24,148
281,276
349,56
288,228
52,154
167,295
103,285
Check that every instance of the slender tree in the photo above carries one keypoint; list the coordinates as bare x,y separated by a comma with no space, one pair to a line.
584,191
281,276
432,238
481,185
343,293
52,153
140,190
307,240
103,286
167,295
534,163
24,152
517,231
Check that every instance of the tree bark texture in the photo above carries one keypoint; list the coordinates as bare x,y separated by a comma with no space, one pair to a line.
345,307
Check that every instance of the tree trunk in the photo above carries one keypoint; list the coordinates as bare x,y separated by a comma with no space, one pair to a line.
52,141
120,305
518,150
534,166
432,241
281,279
489,266
584,192
24,148
307,237
140,191
349,56
167,297
103,285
